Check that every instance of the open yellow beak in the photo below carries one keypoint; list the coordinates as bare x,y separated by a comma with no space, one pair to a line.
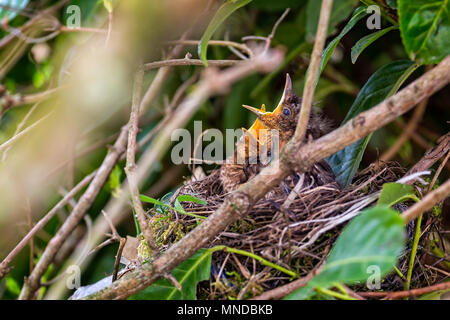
258,112
286,92
257,125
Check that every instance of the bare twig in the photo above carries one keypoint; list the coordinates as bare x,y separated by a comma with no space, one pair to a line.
313,70
44,221
233,44
407,293
10,141
274,29
432,155
76,215
118,256
130,167
188,62
412,125
286,289
427,202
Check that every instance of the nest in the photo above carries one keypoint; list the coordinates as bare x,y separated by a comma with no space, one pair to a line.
295,232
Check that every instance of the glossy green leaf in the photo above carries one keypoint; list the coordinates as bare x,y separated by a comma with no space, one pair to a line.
425,29
189,198
188,274
11,8
222,13
108,4
364,42
340,11
394,192
359,13
374,239
381,85
178,207
392,3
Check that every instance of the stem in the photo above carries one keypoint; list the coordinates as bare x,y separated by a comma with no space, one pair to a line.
413,253
254,256
334,294
313,70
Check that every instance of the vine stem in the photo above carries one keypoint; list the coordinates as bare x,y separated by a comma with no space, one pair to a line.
256,257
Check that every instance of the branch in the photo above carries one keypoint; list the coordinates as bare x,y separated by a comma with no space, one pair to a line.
233,44
407,293
85,202
43,222
410,128
295,156
130,167
427,202
313,70
188,62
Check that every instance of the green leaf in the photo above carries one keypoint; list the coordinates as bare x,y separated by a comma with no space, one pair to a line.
340,11
11,8
374,238
114,180
425,29
359,13
108,5
393,193
392,3
222,13
189,198
188,274
12,286
364,42
178,207
381,85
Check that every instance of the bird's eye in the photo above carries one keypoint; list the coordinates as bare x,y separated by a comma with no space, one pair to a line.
286,112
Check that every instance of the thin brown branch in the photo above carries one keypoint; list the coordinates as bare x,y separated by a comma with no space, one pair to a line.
5,145
313,70
118,256
407,293
282,291
188,62
85,202
242,47
296,156
410,128
274,29
427,202
38,226
432,155
130,167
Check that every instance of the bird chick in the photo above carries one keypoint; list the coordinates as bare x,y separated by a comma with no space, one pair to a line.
284,120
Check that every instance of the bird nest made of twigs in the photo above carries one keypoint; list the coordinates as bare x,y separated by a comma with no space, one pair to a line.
294,229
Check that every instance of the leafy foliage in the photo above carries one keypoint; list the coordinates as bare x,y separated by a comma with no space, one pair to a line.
341,10
193,270
10,8
393,193
224,12
382,84
178,207
425,29
374,238
359,13
364,42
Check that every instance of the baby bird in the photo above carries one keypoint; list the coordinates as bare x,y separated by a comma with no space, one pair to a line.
283,119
